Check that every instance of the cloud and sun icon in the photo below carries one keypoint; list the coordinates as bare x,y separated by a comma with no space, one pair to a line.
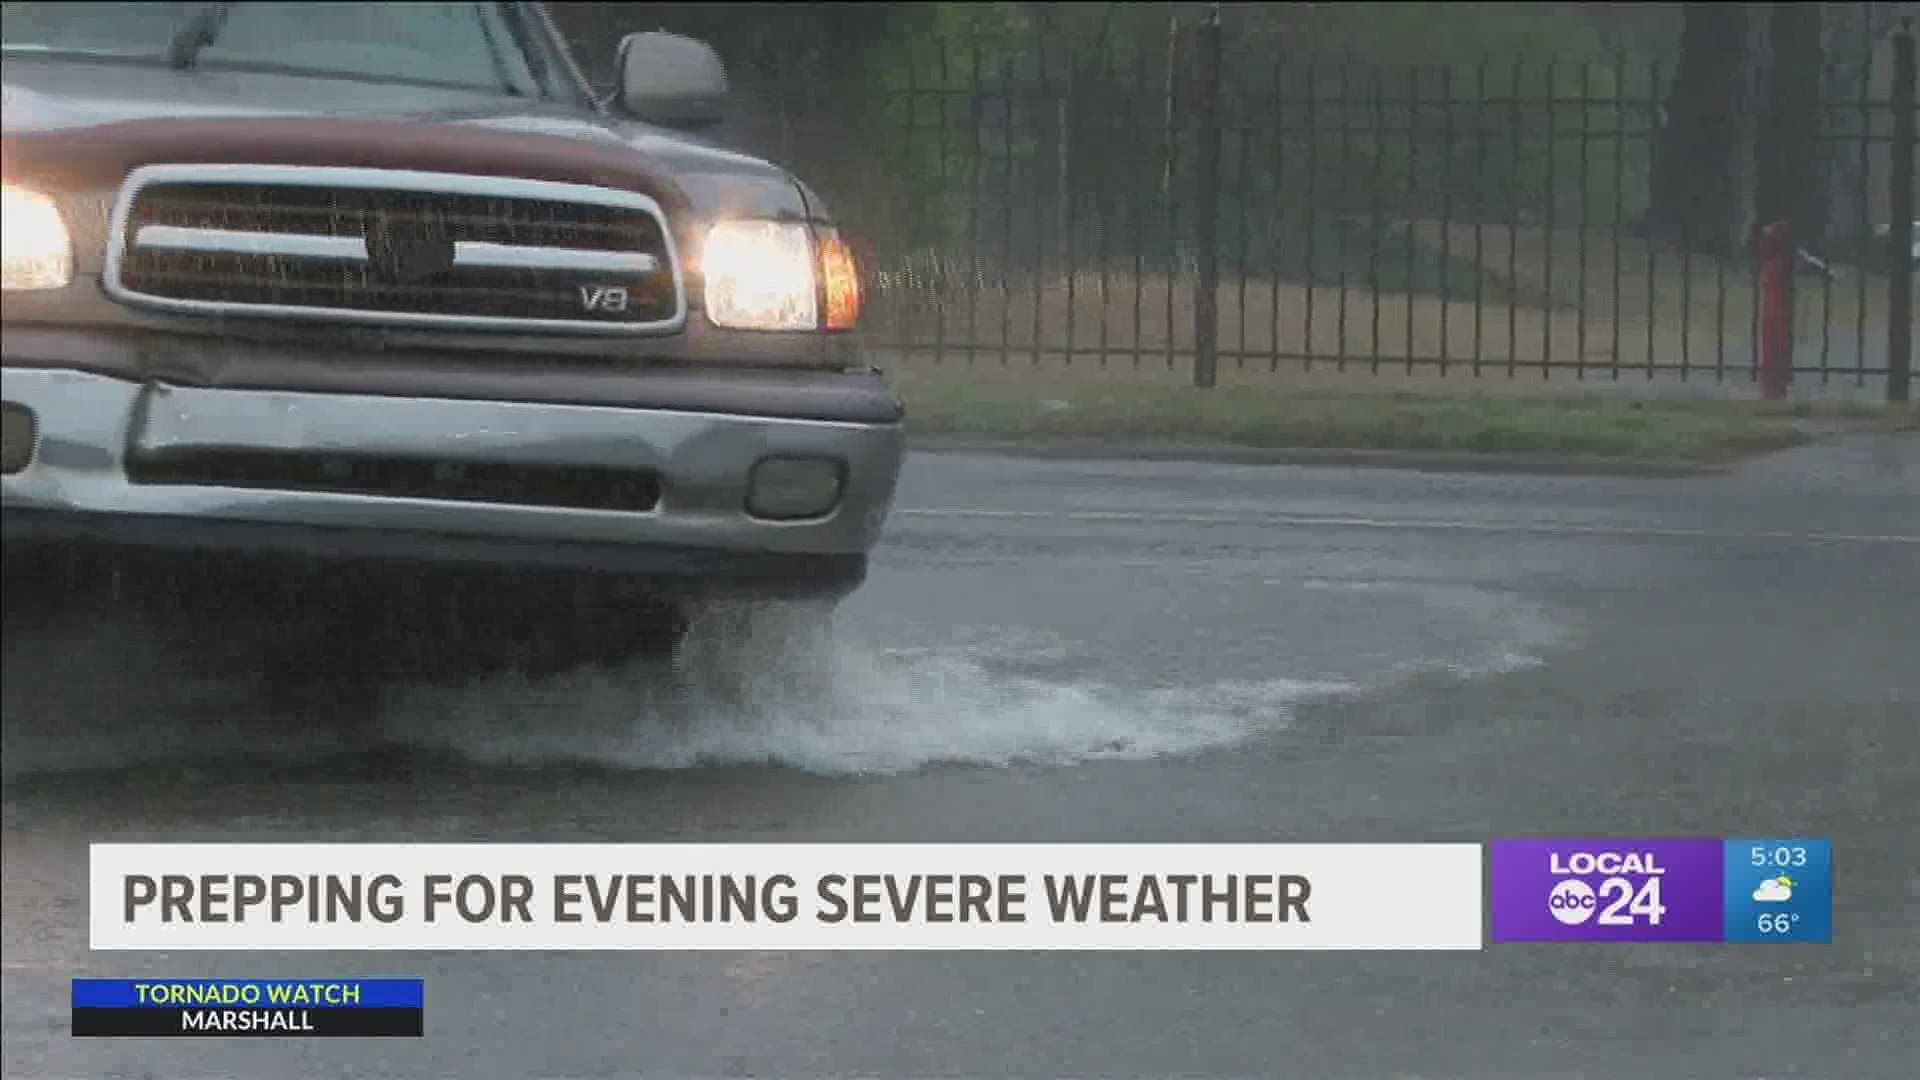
1774,890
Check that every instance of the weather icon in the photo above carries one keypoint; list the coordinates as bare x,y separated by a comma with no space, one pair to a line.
1774,890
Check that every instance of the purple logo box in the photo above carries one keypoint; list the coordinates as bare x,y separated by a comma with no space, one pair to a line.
1608,889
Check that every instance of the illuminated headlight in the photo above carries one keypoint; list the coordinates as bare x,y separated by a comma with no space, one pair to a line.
759,276
34,250
793,487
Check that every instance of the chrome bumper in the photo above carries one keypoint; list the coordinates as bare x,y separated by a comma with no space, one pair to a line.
91,426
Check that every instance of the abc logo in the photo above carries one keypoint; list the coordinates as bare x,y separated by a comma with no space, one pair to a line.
1571,901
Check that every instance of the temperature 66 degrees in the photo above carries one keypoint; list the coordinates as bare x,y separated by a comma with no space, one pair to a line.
1777,922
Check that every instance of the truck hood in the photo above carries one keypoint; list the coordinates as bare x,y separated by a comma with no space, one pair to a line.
49,97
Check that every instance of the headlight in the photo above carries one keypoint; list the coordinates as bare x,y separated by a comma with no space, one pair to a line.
759,276
34,250
777,275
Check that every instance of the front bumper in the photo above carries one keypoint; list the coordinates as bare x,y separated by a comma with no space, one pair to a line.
96,433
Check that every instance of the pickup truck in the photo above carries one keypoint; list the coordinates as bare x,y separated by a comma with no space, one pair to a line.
376,318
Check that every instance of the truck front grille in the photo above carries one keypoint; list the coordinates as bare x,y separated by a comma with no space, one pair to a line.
571,487
393,248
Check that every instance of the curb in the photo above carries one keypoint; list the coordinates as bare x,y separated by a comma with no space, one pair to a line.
1411,460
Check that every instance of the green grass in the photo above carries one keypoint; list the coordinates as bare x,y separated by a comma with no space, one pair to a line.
1042,414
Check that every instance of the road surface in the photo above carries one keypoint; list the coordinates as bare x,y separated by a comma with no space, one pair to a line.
1110,651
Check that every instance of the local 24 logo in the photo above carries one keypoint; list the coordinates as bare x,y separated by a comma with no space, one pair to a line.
1629,894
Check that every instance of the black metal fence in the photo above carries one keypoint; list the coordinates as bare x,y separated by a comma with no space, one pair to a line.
1218,212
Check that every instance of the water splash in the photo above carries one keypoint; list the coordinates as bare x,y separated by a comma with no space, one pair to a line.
776,688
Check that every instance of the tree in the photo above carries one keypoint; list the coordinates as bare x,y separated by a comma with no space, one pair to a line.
1788,182
1696,197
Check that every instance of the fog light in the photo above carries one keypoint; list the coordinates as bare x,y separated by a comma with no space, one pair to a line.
18,432
784,487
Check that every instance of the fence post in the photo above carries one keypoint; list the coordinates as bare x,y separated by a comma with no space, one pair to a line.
1776,283
1900,230
1206,306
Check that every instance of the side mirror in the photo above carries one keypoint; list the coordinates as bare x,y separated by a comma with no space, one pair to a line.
670,80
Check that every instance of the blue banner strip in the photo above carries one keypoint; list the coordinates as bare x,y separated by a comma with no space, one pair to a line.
249,993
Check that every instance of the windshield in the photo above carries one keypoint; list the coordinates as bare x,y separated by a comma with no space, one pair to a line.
468,46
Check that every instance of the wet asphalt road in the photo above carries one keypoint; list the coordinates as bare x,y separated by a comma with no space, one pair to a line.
1107,651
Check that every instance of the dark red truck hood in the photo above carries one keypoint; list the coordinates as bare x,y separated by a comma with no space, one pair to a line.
79,125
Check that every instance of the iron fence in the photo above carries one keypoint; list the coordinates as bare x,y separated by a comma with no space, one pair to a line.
1076,208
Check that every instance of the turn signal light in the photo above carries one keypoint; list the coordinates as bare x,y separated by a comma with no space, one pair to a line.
839,283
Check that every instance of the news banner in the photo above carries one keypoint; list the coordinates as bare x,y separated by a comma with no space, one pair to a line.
340,898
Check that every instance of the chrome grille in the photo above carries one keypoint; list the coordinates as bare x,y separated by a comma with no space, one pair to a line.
393,247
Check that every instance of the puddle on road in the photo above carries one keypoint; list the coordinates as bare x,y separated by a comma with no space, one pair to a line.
793,694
